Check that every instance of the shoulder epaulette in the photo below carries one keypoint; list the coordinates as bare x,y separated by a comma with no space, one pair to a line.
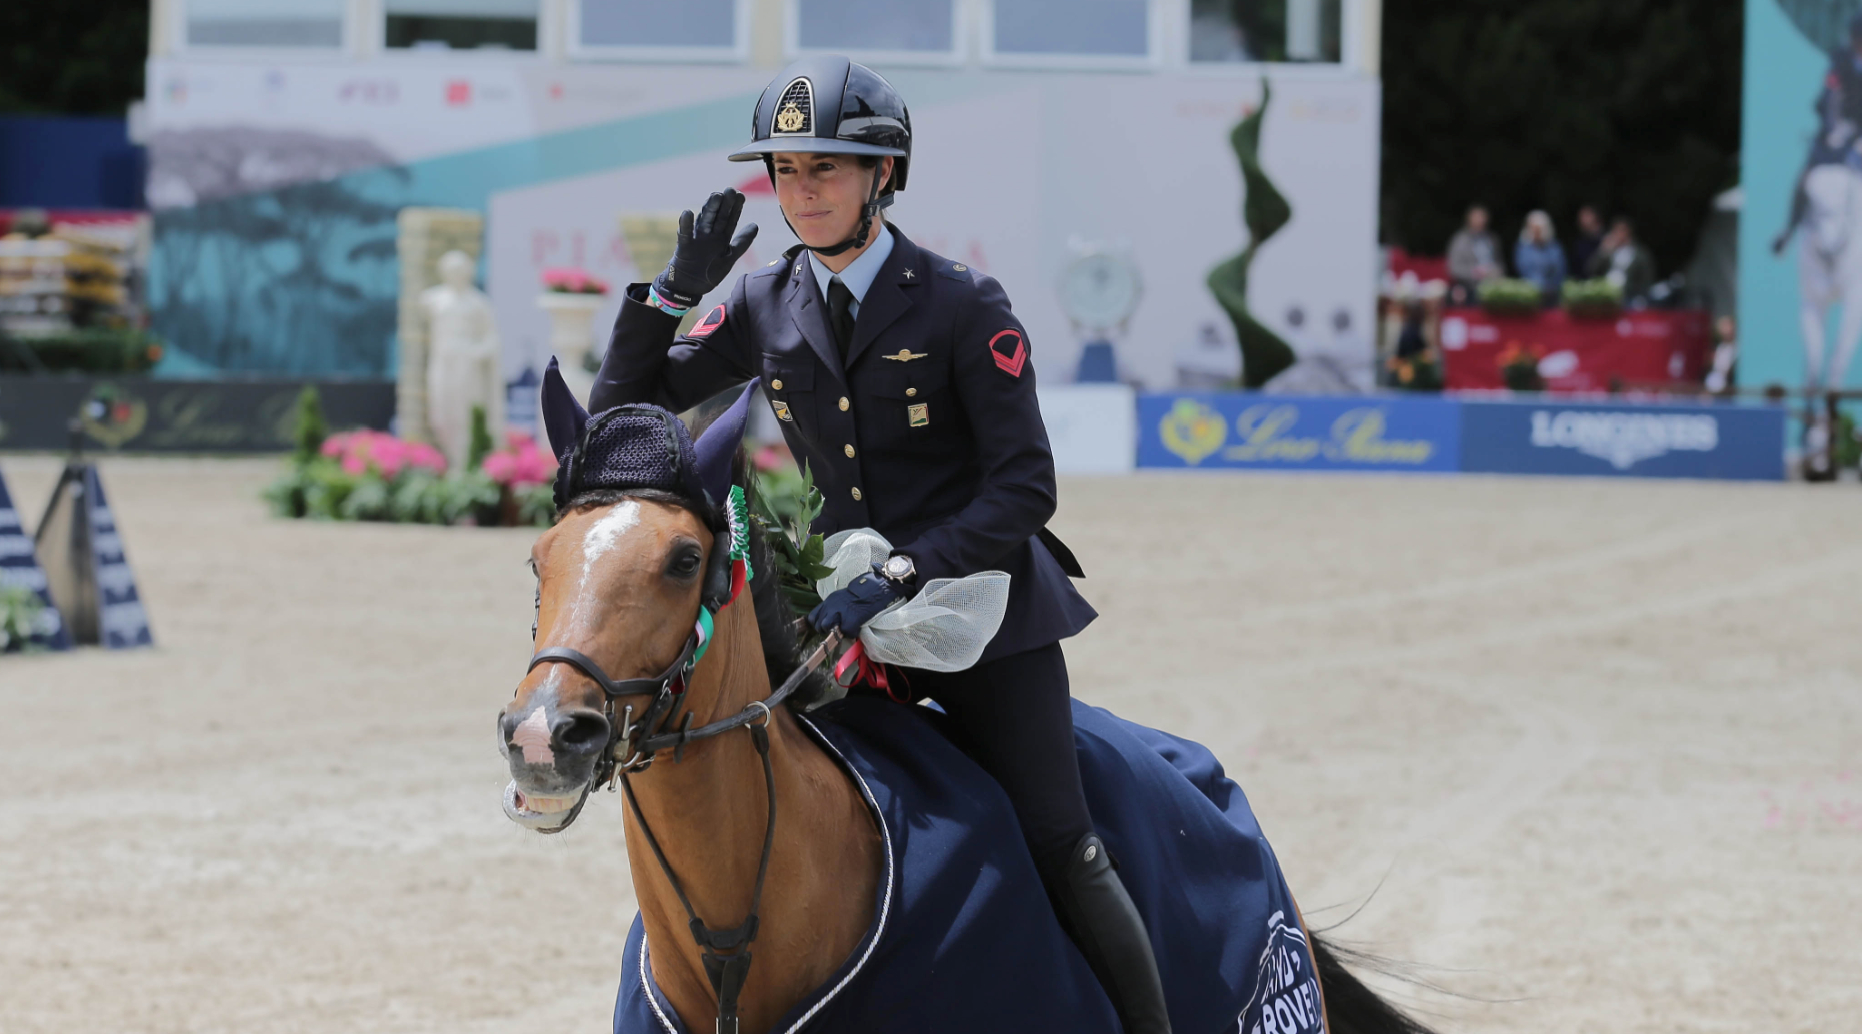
955,271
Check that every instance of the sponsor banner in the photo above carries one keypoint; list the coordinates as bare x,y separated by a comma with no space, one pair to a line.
139,414
1652,345
1725,441
1288,432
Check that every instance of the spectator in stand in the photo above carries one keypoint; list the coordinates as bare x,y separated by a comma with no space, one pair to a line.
1624,262
1538,257
1723,376
1473,256
1590,234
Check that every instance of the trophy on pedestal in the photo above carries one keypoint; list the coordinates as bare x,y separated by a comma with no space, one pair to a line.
1099,291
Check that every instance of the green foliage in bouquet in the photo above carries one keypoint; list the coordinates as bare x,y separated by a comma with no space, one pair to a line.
785,503
1504,297
1593,299
19,617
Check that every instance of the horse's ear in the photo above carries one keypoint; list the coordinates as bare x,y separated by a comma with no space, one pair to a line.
563,417
719,444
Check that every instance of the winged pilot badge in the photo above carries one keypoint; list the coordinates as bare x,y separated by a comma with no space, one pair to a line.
906,355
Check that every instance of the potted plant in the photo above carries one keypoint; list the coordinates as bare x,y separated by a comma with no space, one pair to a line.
571,297
1593,299
1519,367
1505,297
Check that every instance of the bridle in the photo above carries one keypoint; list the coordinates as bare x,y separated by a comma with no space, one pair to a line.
632,746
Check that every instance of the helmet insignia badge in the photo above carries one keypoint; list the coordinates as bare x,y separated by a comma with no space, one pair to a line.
789,119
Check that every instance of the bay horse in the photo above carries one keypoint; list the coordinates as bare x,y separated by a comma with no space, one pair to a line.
624,581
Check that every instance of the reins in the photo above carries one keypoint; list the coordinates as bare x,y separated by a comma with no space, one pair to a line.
727,972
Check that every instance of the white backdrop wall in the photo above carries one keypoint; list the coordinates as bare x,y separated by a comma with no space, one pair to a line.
1009,169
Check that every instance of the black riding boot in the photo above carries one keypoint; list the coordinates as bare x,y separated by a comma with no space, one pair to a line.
1105,924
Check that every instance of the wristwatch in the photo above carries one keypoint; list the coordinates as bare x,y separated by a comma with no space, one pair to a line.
899,569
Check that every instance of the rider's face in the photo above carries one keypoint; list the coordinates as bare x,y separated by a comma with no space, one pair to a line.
823,194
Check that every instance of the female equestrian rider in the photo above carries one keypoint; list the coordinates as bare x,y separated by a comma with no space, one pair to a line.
902,379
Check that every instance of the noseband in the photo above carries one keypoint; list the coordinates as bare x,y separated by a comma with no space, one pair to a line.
632,746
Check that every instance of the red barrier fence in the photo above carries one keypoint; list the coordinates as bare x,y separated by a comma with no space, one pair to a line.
1646,346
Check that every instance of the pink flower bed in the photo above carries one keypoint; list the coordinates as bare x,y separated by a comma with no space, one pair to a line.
523,462
360,451
573,281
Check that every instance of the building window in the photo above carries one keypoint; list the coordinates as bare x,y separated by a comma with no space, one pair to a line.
894,26
461,24
1082,28
1264,30
686,28
265,23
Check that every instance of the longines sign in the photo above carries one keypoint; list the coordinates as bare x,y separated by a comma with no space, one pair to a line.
140,414
1410,433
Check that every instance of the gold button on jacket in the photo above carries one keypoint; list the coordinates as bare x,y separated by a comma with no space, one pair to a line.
849,449
844,403
856,495
776,385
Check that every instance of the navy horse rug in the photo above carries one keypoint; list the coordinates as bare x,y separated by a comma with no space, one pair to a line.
963,937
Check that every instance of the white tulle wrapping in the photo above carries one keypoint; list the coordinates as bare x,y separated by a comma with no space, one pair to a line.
943,628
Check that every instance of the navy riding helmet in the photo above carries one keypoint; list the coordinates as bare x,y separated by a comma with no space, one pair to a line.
830,105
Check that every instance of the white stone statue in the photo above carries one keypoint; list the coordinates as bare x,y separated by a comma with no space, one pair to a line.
465,364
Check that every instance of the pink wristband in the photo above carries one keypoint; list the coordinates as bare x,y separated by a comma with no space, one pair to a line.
663,305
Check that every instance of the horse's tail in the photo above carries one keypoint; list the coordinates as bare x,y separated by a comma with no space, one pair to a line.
1351,1007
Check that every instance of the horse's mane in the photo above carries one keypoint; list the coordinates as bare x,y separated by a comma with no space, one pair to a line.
775,618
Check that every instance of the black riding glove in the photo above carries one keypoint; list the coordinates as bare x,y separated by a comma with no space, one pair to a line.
706,250
849,609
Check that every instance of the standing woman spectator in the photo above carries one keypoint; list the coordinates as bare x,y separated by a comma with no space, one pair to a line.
1538,257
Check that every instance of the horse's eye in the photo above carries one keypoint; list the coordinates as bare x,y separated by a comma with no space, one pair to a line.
685,565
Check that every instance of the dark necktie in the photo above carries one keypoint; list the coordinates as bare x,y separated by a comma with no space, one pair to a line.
840,316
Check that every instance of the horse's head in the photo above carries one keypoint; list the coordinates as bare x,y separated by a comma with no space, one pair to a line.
633,564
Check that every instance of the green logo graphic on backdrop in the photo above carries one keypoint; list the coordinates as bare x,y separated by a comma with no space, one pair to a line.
1265,211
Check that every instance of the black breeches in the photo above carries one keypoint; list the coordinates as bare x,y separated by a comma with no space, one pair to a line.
1014,716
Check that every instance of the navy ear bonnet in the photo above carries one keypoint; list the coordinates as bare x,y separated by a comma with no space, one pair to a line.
639,446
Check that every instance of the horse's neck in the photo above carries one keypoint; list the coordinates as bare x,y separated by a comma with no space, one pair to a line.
709,813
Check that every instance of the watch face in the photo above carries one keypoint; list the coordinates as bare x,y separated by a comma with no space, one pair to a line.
898,567
1099,290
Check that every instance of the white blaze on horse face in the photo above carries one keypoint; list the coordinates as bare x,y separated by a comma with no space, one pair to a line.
600,540
533,735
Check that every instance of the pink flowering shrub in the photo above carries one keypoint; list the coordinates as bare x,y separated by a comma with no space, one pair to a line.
523,462
358,452
573,281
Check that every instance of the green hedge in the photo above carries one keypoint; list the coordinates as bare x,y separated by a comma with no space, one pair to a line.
82,351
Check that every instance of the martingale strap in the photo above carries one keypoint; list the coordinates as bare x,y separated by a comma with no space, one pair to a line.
727,972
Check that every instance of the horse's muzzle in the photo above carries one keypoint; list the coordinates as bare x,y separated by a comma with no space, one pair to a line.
552,753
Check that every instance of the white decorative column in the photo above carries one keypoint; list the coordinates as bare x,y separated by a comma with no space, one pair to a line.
572,333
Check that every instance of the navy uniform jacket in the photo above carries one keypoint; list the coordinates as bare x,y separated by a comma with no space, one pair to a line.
931,435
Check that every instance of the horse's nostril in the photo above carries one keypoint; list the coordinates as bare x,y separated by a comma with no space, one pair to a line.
580,731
